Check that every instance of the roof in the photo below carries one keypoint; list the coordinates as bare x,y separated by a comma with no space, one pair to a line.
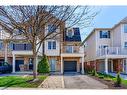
76,37
123,20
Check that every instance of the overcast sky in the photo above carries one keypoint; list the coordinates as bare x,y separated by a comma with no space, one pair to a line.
108,16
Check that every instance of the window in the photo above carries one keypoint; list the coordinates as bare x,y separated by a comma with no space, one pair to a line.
1,45
125,28
125,44
104,34
19,31
30,29
70,33
49,45
52,45
52,28
10,46
103,46
69,49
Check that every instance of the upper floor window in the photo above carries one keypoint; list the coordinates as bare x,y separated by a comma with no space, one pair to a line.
125,28
30,29
69,49
18,31
51,44
18,46
1,45
103,46
125,44
10,46
70,32
104,34
52,28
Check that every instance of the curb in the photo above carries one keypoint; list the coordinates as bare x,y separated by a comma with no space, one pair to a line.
63,86
43,82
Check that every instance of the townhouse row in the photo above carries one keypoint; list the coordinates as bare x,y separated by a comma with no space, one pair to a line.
64,54
104,49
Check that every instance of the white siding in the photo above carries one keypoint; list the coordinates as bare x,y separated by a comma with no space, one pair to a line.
90,49
123,36
4,35
52,52
116,36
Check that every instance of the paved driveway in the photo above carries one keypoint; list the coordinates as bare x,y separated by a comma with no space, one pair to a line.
72,81
77,81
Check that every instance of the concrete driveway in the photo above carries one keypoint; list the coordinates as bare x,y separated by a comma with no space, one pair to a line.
77,81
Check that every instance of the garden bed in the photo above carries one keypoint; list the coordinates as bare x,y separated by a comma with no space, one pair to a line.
109,81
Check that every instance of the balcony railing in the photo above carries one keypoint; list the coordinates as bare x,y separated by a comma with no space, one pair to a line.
20,47
112,51
72,49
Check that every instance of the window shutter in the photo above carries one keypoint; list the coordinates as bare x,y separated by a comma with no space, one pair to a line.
108,34
13,46
100,34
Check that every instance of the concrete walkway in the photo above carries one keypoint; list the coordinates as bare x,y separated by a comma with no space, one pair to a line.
53,82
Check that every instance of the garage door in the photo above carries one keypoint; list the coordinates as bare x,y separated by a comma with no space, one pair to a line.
70,66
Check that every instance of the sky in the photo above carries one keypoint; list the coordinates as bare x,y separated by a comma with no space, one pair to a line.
107,18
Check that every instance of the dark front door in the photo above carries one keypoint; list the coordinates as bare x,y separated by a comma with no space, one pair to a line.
18,63
70,66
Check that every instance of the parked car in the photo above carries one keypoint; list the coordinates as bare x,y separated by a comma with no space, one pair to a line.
5,67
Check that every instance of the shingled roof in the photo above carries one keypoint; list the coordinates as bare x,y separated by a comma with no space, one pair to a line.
76,37
124,20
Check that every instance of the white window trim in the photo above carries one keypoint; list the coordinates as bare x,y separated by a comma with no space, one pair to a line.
124,28
51,45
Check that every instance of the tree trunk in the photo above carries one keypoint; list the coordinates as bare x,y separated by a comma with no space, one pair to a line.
43,49
35,66
35,59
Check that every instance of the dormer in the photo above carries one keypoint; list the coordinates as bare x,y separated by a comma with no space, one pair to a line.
70,33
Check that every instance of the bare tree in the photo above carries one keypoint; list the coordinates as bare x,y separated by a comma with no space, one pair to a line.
32,22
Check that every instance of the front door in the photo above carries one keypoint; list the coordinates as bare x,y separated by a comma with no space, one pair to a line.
18,63
52,64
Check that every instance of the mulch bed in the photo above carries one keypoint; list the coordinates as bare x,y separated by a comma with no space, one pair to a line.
109,83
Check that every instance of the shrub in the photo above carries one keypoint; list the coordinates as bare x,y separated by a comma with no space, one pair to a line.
101,77
118,80
43,65
94,73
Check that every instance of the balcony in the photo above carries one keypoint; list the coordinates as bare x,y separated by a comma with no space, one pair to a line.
116,52
22,47
72,51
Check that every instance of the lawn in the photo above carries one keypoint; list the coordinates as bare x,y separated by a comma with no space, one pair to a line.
19,81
